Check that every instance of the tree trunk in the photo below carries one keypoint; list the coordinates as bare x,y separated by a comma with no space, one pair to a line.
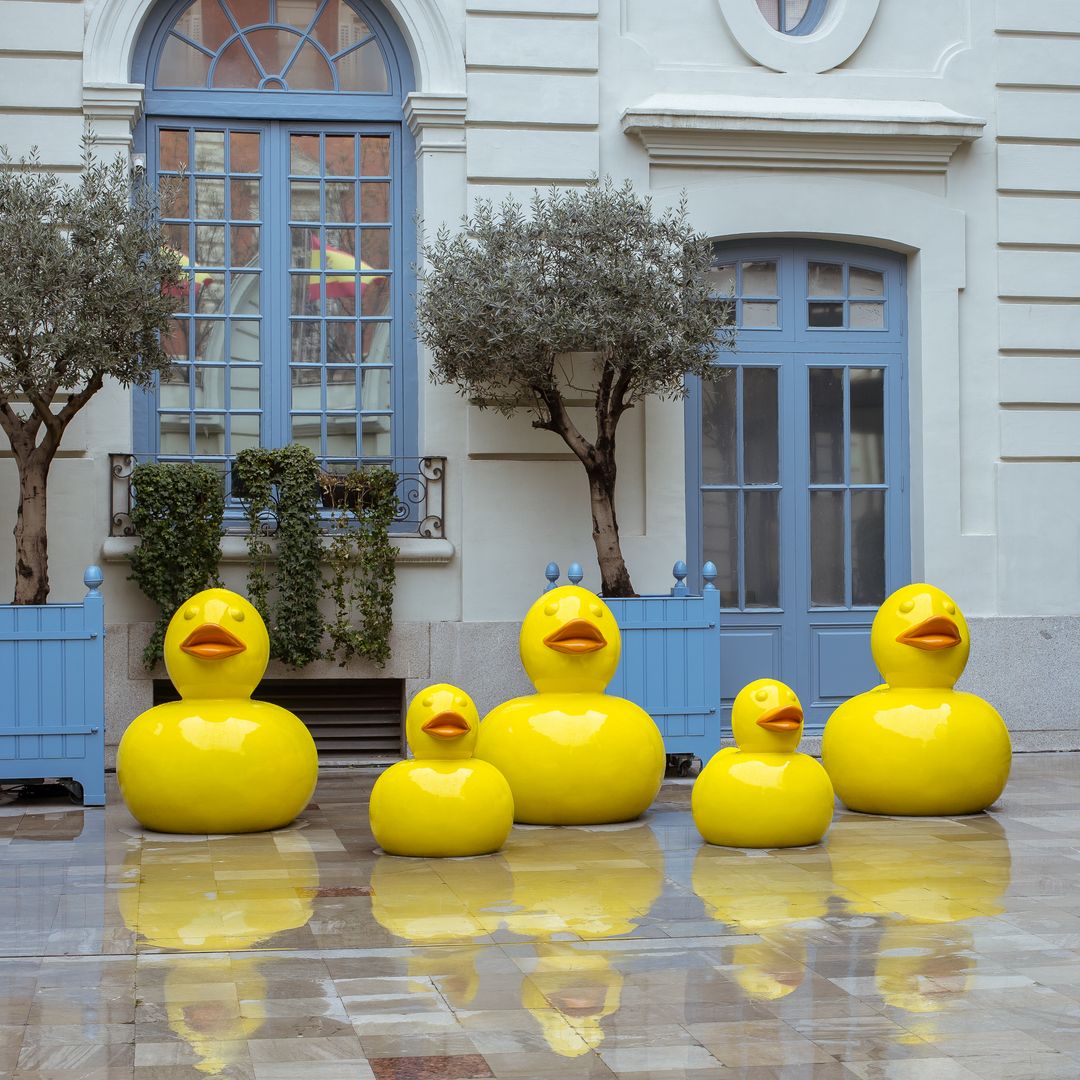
31,536
614,577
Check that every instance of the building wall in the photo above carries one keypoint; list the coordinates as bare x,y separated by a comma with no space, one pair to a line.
516,93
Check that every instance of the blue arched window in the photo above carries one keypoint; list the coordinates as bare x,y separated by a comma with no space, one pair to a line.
795,17
274,130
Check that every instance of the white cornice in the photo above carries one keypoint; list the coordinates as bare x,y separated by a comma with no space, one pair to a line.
437,122
734,131
234,549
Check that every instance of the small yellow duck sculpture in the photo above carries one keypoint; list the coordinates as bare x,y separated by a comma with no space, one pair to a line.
572,754
445,803
763,794
915,745
216,761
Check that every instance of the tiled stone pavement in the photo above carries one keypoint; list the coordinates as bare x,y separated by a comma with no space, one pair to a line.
908,949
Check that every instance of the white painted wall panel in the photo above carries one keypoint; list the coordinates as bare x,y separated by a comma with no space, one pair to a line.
31,82
1039,168
55,136
1038,221
530,7
1037,114
531,43
510,97
36,27
1039,273
1040,326
1038,61
1040,433
532,154
1051,380
1053,15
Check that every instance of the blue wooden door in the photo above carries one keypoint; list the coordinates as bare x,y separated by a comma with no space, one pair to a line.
797,466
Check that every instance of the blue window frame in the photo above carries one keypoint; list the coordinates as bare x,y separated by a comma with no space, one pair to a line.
797,461
794,17
275,133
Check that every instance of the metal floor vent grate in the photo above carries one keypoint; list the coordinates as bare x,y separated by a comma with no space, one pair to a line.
348,718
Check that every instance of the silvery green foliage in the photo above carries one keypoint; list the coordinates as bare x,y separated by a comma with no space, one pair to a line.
589,270
86,283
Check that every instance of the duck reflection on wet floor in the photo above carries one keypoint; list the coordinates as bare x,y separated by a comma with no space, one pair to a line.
900,947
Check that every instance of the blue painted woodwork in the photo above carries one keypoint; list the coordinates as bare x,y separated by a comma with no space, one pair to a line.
670,662
52,668
264,323
777,619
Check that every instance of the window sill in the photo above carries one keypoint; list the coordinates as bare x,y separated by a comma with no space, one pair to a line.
410,549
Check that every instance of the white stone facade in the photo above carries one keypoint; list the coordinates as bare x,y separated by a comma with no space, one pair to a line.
945,131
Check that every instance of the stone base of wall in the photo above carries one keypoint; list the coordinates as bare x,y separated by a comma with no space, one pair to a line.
1027,668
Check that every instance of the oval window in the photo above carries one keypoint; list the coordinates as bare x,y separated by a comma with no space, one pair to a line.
795,17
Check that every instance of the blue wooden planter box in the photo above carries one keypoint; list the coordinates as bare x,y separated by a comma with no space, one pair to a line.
670,663
52,691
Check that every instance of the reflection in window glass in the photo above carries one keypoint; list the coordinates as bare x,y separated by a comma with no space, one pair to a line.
720,515
759,279
824,279
867,390
761,426
865,282
826,425
718,428
867,547
762,545
827,548
867,316
822,314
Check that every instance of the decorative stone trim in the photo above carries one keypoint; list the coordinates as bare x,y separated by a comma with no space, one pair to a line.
437,122
810,133
841,31
112,111
410,549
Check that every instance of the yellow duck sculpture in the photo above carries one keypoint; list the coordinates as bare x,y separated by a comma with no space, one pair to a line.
572,754
915,745
763,794
445,803
216,761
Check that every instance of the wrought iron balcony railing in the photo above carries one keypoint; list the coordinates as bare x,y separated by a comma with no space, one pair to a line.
420,497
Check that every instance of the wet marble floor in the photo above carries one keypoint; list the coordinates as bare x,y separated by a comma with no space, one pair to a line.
925,949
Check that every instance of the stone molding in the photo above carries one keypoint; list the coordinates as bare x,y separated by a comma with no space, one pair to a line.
410,549
112,110
437,122
842,30
731,131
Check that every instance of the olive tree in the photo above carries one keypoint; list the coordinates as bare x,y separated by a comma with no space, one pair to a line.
505,301
87,285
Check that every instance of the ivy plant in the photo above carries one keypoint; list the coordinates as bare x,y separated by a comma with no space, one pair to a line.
178,512
283,482
363,505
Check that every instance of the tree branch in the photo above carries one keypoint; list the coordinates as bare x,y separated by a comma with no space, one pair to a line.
559,422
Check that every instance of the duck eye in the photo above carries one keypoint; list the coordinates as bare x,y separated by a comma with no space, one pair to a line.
790,696
761,695
427,702
237,613
190,612
950,607
907,605
597,610
460,702
550,609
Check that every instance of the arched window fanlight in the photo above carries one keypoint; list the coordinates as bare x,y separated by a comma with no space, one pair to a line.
794,17
320,45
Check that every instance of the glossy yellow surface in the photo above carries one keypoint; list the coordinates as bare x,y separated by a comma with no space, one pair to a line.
216,761
763,794
915,745
227,895
445,802
572,754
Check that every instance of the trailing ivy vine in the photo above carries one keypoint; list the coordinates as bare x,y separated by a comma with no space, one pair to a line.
178,512
363,505
284,483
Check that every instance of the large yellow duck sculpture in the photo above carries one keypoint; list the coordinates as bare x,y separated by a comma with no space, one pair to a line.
763,794
572,754
915,745
446,802
216,761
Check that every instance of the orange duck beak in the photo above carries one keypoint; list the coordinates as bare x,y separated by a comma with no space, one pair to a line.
577,636
447,725
212,642
937,632
786,718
